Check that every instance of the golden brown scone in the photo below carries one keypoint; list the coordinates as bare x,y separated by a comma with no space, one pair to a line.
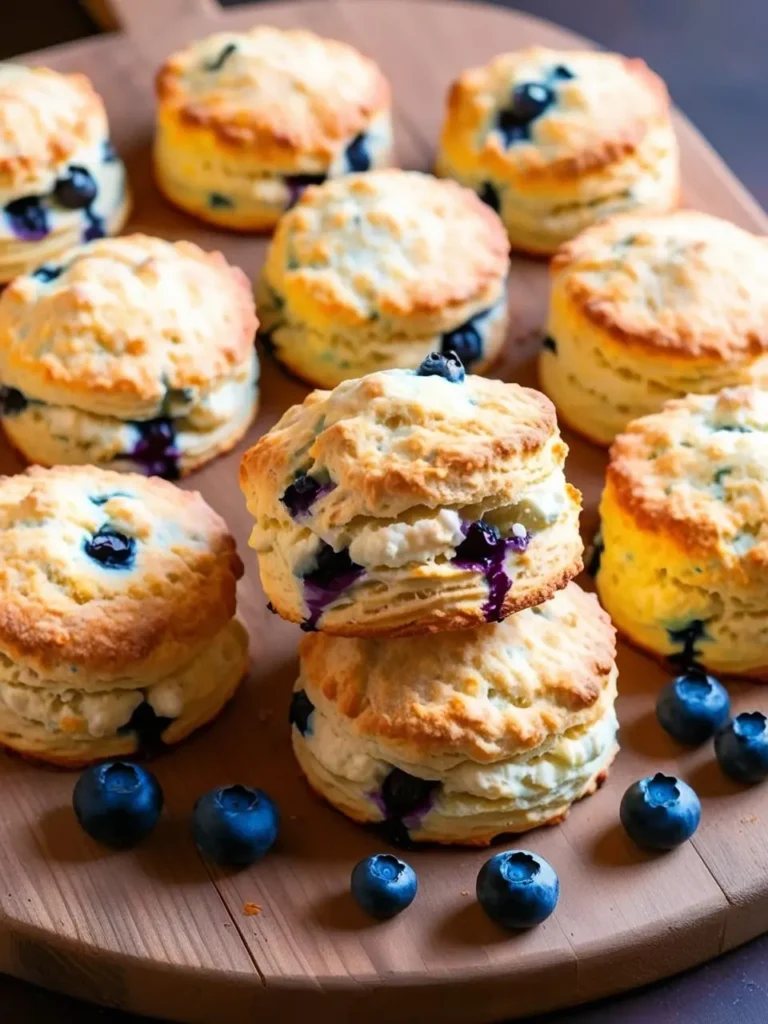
246,120
117,597
408,502
684,570
645,308
460,737
375,271
554,140
61,181
133,353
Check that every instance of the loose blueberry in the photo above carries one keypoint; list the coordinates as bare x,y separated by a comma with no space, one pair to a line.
12,402
220,60
117,803
297,183
301,495
383,885
156,450
218,201
693,707
517,889
741,748
48,272
76,189
28,218
660,812
111,549
549,344
301,711
439,364
358,157
490,196
235,825
466,341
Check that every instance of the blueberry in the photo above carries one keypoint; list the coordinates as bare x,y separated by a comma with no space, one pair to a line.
529,101
111,549
383,885
517,889
358,157
48,272
660,812
334,571
301,495
218,201
439,364
76,189
693,707
118,803
221,58
549,344
405,795
12,402
741,748
562,72
298,182
480,546
108,152
235,825
465,341
156,450
490,196
28,218
300,711
688,636
147,727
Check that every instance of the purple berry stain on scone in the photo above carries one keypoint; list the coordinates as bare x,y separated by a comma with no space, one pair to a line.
297,183
301,711
484,550
404,800
334,571
301,495
156,451
12,402
27,218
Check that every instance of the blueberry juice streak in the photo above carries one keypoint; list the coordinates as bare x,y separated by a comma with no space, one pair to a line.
156,450
485,550
333,574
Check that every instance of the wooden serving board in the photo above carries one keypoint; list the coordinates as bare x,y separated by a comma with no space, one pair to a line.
159,932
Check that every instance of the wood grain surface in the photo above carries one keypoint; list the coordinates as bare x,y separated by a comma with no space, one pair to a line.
157,931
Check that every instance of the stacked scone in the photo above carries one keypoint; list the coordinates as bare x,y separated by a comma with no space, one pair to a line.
401,519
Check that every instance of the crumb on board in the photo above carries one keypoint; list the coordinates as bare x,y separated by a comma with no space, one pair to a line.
465,892
749,819
251,909
264,715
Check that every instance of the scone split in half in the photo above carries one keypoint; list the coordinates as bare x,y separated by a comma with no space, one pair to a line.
375,271
117,632
684,569
247,120
132,354
410,502
462,737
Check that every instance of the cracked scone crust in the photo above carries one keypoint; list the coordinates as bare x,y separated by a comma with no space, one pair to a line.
245,118
684,571
460,737
375,271
132,338
400,504
648,308
51,123
84,643
598,140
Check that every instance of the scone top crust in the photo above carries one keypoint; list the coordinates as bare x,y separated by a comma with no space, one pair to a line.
484,694
696,473
391,244
69,618
394,440
604,105
127,322
279,93
45,118
682,285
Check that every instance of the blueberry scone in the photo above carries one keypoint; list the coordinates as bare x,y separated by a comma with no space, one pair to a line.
554,140
117,597
684,566
412,501
132,353
246,120
61,180
645,308
376,271
461,737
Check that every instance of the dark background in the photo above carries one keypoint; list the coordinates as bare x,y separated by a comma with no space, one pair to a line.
713,55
